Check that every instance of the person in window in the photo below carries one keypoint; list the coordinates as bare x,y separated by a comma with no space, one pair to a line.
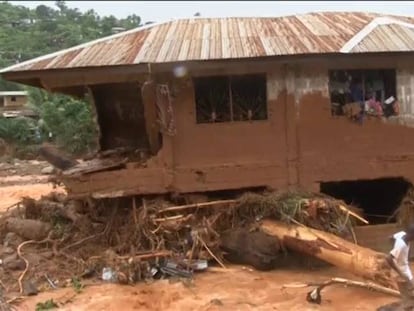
357,95
356,91
398,260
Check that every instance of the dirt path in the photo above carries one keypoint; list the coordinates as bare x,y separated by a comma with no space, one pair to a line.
236,289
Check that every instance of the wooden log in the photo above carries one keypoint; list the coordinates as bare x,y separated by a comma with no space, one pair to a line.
358,260
346,210
197,205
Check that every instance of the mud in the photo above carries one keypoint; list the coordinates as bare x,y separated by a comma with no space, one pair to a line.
234,289
18,168
13,194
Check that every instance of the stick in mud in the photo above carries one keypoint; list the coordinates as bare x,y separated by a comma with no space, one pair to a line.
347,282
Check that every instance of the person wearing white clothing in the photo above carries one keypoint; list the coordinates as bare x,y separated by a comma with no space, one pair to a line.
398,260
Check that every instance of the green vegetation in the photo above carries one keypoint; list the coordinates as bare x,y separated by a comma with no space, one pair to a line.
19,131
68,120
27,33
77,285
47,305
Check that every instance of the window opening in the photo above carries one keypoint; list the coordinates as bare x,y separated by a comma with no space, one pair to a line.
231,98
359,93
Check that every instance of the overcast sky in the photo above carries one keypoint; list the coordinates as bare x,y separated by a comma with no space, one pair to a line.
159,11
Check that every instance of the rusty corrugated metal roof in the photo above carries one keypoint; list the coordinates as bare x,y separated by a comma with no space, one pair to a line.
233,38
387,38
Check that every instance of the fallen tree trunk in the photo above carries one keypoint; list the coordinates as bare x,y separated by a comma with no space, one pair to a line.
358,260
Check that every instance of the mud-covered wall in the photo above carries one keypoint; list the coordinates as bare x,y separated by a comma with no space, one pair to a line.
300,144
335,148
232,153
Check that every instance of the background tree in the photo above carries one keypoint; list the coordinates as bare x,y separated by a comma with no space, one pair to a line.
27,33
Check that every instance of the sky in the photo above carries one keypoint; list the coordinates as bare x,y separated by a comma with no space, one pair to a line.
160,11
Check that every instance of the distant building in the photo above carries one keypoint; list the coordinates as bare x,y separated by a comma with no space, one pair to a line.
14,104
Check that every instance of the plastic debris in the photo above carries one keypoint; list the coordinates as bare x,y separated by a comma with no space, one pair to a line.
197,265
108,275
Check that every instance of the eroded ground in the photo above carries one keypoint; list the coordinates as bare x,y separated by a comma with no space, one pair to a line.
237,288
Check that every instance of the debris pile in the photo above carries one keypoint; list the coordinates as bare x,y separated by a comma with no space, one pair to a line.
53,241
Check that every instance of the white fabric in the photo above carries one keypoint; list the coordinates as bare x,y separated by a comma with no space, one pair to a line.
400,253
399,235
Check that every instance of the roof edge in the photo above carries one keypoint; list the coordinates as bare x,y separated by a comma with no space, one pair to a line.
364,32
83,45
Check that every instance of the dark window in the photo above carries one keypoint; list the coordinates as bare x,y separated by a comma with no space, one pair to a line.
356,93
230,98
13,98
212,99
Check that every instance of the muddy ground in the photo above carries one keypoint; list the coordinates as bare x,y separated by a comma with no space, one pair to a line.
236,288
20,178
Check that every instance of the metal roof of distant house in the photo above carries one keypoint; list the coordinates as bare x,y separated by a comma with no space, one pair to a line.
235,38
13,93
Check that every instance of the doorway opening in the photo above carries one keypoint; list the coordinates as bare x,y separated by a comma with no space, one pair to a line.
377,198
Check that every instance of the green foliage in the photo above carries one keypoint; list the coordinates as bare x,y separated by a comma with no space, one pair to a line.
68,120
27,33
19,131
47,305
77,285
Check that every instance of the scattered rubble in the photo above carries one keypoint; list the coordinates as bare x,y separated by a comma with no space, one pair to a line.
9,167
47,170
127,240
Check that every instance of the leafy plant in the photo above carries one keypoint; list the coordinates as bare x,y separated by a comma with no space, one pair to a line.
18,131
47,305
77,285
68,120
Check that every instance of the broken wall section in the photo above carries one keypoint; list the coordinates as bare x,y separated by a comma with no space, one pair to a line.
120,116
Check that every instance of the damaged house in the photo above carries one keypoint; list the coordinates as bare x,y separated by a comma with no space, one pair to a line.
320,102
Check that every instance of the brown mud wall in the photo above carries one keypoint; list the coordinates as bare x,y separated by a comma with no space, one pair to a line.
228,155
299,145
334,148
